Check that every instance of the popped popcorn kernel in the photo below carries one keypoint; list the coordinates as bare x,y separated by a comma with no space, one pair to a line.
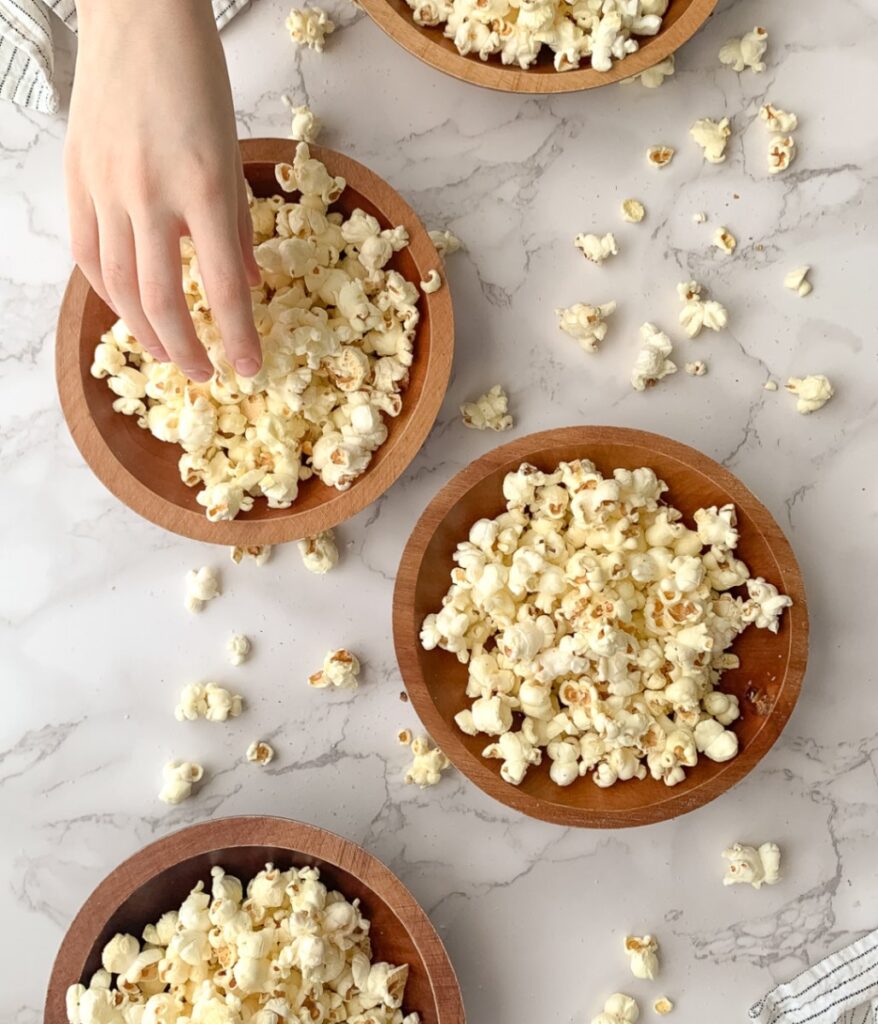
340,671
746,52
427,765
660,156
751,865
202,586
663,1006
319,553
488,412
179,779
633,211
643,956
596,248
812,393
712,137
309,26
725,241
260,752
797,281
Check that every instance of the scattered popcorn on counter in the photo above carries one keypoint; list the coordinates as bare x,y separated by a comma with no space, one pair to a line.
655,76
309,26
750,865
432,283
699,218
446,242
404,737
660,156
698,312
320,553
427,765
260,553
769,385
305,125
202,585
746,52
210,701
618,1009
488,412
596,248
341,671
587,324
287,948
179,779
652,363
698,368
260,752
712,137
797,281
596,627
812,392
633,211
777,120
238,648
725,241
781,153
338,332
643,956
663,1006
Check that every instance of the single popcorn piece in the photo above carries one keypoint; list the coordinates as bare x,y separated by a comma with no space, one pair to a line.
812,392
260,752
282,946
202,585
305,126
653,363
698,368
699,217
769,385
309,27
663,1006
777,120
712,137
404,737
660,156
698,312
446,242
432,282
633,211
179,780
320,553
210,701
618,1009
488,412
587,324
238,648
643,956
781,153
725,241
259,553
797,281
341,671
750,865
746,52
655,76
427,765
596,248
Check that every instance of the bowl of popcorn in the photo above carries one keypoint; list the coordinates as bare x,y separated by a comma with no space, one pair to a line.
252,919
357,334
600,627
543,46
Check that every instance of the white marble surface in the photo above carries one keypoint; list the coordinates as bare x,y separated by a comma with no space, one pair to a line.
96,642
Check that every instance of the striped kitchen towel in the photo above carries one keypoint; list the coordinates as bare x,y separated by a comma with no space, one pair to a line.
842,989
26,52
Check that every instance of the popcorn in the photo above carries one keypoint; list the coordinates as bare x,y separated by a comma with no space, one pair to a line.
432,283
653,77
812,392
652,363
777,120
769,385
320,553
202,585
210,701
696,368
751,865
404,737
260,553
238,648
341,670
633,211
596,248
699,217
309,27
488,412
660,156
698,312
338,330
797,281
587,324
642,956
663,1006
446,242
287,948
305,125
712,136
781,153
746,52
618,1009
427,765
179,778
724,240
595,625
260,752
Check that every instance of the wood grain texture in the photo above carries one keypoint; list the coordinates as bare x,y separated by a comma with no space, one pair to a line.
141,471
680,23
160,876
767,683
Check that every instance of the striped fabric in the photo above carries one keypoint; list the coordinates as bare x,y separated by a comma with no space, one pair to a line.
842,989
26,57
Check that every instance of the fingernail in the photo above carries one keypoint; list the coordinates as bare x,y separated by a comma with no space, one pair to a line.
198,375
246,366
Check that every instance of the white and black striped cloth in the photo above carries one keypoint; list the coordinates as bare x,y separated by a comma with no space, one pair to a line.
842,989
26,57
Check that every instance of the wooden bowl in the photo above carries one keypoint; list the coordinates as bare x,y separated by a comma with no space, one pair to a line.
160,876
142,471
767,683
680,23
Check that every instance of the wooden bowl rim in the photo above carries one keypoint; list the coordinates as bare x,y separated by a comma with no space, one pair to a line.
339,506
424,44
444,732
300,839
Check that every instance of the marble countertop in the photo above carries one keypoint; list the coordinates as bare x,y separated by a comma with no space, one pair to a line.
96,642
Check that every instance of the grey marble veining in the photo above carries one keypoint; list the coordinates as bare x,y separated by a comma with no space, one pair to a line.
533,915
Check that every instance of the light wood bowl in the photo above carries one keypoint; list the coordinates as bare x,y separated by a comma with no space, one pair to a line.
160,876
142,471
680,23
767,682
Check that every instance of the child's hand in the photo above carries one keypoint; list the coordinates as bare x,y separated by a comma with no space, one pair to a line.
152,155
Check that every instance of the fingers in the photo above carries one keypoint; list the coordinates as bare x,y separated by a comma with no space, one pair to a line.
161,296
85,243
217,235
245,232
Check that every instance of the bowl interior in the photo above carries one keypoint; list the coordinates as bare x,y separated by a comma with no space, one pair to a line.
766,683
